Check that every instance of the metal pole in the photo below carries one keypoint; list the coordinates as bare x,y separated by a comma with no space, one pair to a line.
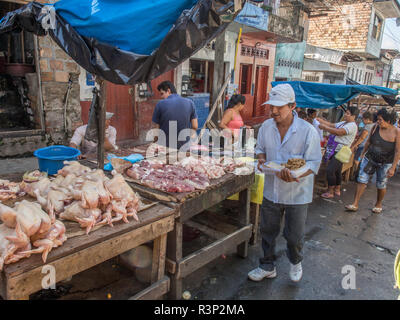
101,118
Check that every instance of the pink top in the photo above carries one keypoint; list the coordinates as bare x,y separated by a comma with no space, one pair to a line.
236,123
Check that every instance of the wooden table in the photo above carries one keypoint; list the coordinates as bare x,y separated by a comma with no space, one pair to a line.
19,280
188,206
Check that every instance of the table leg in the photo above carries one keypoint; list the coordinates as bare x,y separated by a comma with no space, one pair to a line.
244,219
174,252
158,265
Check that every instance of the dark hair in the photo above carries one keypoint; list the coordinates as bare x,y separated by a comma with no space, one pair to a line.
302,114
165,85
390,117
311,111
235,99
368,115
354,111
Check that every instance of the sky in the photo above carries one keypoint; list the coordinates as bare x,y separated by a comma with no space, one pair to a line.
391,40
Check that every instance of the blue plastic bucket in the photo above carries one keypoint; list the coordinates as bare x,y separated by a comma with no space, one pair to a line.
51,159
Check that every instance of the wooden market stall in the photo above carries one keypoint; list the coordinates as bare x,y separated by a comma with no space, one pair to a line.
81,252
227,233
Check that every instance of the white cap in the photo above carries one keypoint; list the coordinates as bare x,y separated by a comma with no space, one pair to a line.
281,95
109,115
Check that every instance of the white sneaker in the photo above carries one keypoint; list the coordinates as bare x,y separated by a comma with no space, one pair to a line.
296,272
258,274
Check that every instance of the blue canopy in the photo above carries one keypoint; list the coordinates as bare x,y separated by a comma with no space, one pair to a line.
133,25
125,41
323,96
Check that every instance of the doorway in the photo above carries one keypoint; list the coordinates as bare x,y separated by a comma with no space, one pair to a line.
260,92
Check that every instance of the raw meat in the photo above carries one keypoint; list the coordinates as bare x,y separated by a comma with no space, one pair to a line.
73,167
8,216
12,242
125,202
32,219
9,190
87,218
54,238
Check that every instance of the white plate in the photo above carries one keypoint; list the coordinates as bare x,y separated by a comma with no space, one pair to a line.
272,167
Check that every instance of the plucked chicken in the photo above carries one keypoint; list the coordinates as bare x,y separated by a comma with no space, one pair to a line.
54,238
12,242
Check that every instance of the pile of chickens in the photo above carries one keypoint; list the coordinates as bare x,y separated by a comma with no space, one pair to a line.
85,196
77,193
27,229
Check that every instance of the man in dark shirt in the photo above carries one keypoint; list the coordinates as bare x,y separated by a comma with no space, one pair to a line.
174,112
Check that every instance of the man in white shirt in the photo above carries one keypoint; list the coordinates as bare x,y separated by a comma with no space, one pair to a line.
87,147
279,139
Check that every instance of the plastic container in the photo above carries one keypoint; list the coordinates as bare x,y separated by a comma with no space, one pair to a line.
51,159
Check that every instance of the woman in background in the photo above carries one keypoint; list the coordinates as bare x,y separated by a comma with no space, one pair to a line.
382,153
232,121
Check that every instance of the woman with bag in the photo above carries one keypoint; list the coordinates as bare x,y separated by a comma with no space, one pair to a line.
342,136
382,153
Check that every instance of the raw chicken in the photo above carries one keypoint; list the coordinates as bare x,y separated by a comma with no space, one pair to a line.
9,190
125,201
32,219
12,242
43,186
8,216
73,167
87,218
54,238
54,202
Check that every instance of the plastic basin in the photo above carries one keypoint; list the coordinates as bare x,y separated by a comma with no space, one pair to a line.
51,159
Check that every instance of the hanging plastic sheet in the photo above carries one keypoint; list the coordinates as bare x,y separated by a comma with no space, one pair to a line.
323,96
125,42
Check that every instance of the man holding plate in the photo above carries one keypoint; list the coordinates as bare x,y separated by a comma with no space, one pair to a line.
285,137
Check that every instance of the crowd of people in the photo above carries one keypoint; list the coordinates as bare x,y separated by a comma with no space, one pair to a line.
291,133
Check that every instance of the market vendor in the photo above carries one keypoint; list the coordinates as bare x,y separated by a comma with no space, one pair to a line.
174,113
78,140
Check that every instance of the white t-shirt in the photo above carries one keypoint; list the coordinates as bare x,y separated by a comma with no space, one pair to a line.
89,146
347,139
320,131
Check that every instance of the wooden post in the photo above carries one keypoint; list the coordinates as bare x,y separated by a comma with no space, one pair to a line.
174,253
101,118
218,72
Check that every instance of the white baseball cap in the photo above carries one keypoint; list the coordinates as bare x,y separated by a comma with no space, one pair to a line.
281,95
109,115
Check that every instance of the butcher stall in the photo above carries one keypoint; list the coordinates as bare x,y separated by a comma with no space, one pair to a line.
190,185
70,237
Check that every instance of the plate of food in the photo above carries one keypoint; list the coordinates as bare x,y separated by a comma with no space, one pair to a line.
297,166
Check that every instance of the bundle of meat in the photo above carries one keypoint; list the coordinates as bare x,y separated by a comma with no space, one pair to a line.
85,196
9,190
168,178
27,229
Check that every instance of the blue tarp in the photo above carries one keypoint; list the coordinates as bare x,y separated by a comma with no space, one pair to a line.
133,25
125,41
323,96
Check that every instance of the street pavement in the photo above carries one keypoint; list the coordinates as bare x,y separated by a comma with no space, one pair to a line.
336,241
